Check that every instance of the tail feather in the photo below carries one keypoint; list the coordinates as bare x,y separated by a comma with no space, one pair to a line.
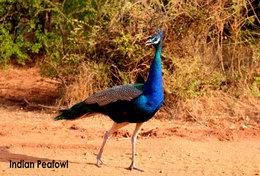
74,112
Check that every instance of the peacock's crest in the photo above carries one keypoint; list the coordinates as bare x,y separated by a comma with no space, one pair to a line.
159,32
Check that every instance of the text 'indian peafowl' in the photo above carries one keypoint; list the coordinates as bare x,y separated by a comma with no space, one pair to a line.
131,103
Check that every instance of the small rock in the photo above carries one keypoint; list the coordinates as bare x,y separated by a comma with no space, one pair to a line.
232,127
73,127
243,127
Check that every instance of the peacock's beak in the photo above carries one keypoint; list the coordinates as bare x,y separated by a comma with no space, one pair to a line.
148,42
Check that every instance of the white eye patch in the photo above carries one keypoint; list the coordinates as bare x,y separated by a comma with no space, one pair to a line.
156,40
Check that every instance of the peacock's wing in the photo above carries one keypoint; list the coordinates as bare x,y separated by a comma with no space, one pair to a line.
124,92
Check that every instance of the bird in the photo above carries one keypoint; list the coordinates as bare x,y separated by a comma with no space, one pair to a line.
125,104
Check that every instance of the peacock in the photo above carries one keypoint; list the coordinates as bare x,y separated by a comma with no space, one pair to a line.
124,104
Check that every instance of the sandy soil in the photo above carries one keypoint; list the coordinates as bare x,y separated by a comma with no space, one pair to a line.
163,147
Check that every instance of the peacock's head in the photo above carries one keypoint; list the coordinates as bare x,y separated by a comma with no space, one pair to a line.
156,39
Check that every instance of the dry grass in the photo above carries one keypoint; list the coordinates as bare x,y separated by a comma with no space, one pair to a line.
220,110
86,83
81,87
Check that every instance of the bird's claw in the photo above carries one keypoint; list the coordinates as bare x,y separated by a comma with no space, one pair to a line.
132,167
99,160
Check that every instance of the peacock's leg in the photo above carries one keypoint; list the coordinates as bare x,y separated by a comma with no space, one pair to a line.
134,137
114,128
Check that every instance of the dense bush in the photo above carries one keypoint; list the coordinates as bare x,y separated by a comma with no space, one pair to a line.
208,45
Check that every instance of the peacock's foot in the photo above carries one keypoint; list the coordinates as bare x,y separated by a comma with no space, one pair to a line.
132,167
99,160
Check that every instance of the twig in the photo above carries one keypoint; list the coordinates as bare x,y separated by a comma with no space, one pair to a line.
38,105
196,119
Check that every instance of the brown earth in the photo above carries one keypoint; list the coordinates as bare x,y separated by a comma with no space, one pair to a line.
28,132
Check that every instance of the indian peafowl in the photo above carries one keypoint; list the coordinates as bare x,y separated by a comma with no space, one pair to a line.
124,104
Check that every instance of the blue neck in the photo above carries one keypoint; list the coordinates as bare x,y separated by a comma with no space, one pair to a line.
153,85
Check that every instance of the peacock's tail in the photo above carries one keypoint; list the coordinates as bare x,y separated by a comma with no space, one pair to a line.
74,112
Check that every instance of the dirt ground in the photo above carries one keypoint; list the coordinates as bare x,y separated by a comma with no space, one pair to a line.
163,147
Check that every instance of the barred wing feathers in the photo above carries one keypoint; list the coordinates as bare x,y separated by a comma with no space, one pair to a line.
123,92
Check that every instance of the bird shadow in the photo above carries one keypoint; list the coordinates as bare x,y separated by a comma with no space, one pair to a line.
92,164
7,156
